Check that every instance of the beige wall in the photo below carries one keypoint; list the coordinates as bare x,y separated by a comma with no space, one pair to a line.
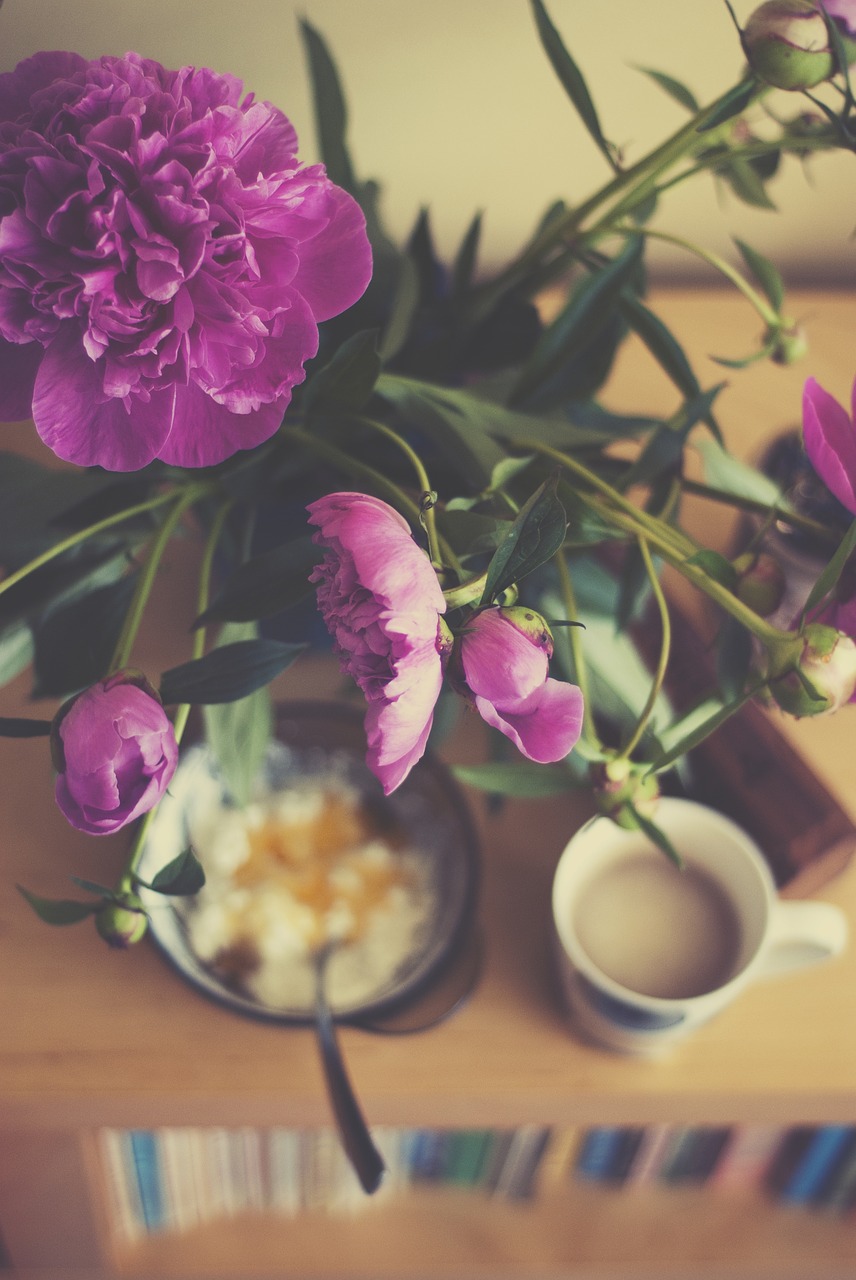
454,105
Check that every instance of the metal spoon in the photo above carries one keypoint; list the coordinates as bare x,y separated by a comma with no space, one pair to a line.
356,1139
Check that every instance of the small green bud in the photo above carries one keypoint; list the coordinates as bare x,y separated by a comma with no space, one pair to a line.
532,625
760,582
791,345
123,923
823,677
621,787
787,44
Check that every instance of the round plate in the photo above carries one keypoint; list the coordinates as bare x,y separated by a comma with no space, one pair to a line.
428,812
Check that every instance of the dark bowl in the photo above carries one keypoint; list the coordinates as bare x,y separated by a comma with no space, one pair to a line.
428,813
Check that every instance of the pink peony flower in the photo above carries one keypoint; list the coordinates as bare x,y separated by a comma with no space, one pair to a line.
115,751
382,604
505,657
829,435
164,260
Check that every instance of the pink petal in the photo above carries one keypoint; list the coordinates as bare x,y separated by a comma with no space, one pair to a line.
830,442
336,265
545,727
19,364
206,432
500,663
79,425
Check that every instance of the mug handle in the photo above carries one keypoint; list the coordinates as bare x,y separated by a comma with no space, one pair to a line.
802,934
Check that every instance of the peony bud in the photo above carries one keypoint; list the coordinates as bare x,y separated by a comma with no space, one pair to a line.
115,752
787,44
791,345
123,923
822,679
622,789
760,582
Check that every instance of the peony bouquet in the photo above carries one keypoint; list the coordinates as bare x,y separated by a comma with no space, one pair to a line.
221,341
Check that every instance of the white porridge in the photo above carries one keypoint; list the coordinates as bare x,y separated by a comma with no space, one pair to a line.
297,869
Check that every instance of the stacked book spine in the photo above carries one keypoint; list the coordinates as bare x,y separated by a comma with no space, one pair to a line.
176,1179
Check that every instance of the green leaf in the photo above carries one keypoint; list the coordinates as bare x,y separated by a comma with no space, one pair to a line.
830,575
101,890
266,584
571,79
16,650
457,421
75,640
405,302
524,779
715,566
59,910
536,534
656,835
674,88
733,658
73,574
238,732
701,726
348,380
331,114
227,673
745,181
590,307
732,104
12,727
764,272
464,266
180,878
728,474
665,349
32,500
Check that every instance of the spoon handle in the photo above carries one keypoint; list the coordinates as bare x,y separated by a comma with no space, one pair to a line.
354,1132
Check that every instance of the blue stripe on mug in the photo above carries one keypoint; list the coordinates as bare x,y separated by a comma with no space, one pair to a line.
624,1014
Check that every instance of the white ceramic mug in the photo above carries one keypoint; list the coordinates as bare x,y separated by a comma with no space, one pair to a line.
767,936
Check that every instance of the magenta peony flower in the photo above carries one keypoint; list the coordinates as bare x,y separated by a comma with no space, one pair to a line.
164,260
505,657
829,435
844,13
115,751
382,604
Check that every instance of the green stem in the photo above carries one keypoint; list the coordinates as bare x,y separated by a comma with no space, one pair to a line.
765,311
565,229
665,649
756,507
74,539
345,462
566,588
427,516
766,633
134,615
128,878
202,599
657,528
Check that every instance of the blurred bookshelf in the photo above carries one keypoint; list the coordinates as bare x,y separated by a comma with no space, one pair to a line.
515,1150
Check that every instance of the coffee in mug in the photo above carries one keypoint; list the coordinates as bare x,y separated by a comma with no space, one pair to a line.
658,929
647,951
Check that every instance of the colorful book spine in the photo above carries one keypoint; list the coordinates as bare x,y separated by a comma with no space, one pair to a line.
815,1165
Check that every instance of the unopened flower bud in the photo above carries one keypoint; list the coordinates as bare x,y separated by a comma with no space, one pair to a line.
822,679
787,44
123,923
760,582
791,345
622,789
